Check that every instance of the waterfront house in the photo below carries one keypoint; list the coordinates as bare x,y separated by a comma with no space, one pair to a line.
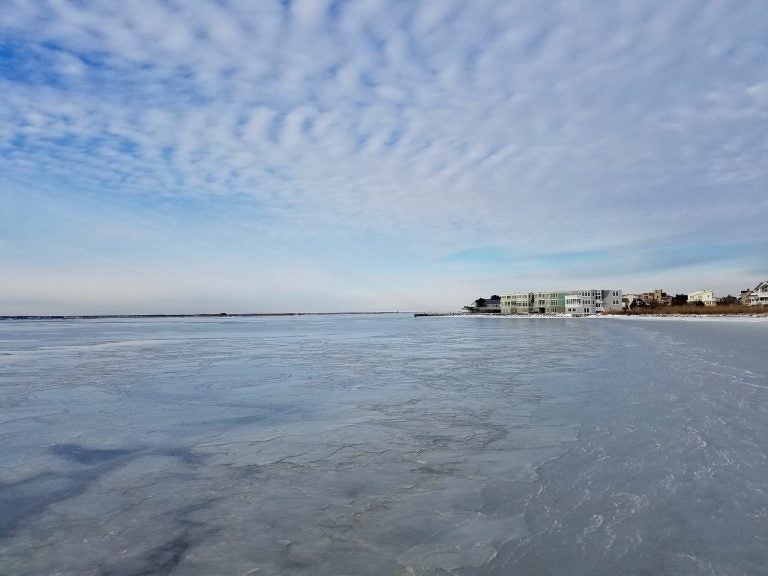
656,298
517,303
706,297
577,302
758,296
490,305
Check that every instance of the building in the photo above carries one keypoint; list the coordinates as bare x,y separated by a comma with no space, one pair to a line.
580,302
655,298
593,301
744,297
517,303
577,302
628,299
707,297
490,305
611,300
758,296
549,302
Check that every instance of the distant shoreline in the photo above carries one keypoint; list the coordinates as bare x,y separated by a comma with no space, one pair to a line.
220,315
671,316
743,315
714,317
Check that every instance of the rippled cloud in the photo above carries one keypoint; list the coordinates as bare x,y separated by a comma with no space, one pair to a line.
417,129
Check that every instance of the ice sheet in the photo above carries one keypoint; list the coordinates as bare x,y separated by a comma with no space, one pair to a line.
383,445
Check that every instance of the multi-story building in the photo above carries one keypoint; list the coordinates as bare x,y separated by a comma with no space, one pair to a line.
628,299
656,297
549,302
707,297
758,296
580,302
612,300
592,301
517,303
490,305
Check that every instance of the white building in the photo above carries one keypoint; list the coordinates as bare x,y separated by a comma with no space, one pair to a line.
592,301
758,296
705,296
581,302
578,302
611,299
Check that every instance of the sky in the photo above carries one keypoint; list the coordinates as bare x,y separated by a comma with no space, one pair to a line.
311,156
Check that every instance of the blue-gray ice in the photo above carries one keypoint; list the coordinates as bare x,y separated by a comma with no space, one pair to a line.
383,445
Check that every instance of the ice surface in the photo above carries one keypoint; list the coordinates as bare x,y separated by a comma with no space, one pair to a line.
383,445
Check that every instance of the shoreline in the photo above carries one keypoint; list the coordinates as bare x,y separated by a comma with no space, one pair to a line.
744,316
160,316
762,317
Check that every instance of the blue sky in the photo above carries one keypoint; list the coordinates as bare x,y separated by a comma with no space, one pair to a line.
242,156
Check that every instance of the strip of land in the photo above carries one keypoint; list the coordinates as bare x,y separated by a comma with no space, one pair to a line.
219,315
689,310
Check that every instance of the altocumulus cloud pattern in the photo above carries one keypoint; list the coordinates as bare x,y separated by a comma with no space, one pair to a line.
370,151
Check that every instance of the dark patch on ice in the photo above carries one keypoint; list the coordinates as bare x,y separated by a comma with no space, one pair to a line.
185,455
25,499
245,471
267,414
271,415
437,470
82,455
157,561
32,496
100,456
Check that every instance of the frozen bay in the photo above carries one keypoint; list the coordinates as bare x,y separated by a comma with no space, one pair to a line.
371,445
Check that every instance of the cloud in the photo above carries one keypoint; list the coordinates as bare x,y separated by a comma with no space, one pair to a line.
444,126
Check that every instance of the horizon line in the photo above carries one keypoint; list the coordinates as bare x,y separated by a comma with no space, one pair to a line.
193,315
